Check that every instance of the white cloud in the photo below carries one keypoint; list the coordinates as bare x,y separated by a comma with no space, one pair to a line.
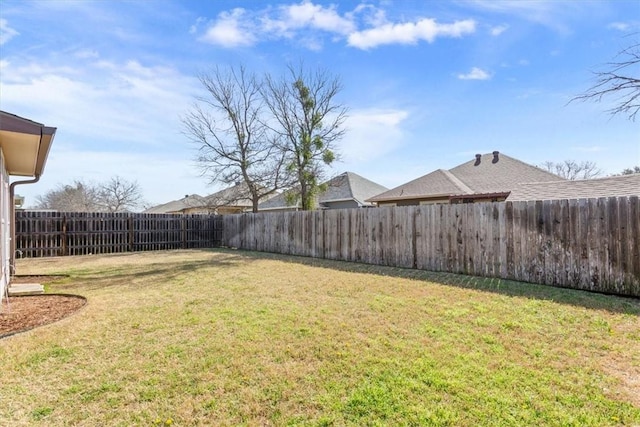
409,33
6,32
115,119
307,22
532,7
496,31
162,178
307,14
370,14
231,29
625,27
372,133
194,28
123,106
15,73
86,54
620,26
475,74
589,149
557,15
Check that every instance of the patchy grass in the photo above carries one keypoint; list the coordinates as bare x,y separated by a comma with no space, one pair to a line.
238,338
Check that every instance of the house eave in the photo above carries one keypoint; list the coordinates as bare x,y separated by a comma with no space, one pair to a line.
411,197
25,145
493,195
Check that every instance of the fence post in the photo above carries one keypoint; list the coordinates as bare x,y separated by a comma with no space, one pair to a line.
414,237
65,249
130,229
183,230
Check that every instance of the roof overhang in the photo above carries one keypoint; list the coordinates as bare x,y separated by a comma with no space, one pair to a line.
479,196
409,197
25,144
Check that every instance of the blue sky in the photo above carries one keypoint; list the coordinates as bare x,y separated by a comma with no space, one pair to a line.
427,83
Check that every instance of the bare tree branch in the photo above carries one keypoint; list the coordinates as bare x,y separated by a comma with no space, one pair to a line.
119,195
629,171
620,80
227,125
309,121
115,195
570,169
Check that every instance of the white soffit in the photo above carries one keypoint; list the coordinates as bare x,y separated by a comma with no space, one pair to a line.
20,152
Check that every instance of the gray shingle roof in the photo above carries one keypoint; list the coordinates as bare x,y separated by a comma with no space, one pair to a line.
625,185
346,186
276,202
350,186
489,176
489,173
188,202
437,183
236,195
232,196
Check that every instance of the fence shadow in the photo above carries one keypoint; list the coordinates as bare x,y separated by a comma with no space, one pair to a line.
133,276
579,298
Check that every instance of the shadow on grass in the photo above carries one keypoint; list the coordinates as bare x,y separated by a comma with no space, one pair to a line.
586,299
132,275
138,276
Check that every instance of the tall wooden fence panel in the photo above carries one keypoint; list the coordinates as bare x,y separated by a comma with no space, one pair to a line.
41,234
590,244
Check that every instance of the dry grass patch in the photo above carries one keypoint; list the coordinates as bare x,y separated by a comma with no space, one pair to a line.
237,338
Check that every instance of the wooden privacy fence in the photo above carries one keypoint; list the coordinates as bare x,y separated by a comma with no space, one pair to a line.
589,244
40,234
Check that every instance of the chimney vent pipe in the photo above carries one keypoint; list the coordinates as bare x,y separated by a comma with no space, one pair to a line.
478,157
495,156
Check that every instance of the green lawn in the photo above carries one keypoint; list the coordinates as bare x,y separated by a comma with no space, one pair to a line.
221,337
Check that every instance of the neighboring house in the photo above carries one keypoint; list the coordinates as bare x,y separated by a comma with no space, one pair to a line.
347,190
189,204
24,147
614,186
231,200
488,177
228,201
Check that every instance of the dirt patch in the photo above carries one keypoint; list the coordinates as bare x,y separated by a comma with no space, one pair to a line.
21,313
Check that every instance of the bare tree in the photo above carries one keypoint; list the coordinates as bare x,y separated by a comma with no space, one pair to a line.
77,197
119,195
570,169
310,121
629,171
234,143
621,80
115,195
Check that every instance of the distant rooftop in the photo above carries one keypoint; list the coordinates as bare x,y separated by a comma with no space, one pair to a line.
614,186
485,174
187,202
344,187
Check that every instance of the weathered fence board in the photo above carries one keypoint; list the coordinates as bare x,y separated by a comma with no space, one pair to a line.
41,234
589,244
